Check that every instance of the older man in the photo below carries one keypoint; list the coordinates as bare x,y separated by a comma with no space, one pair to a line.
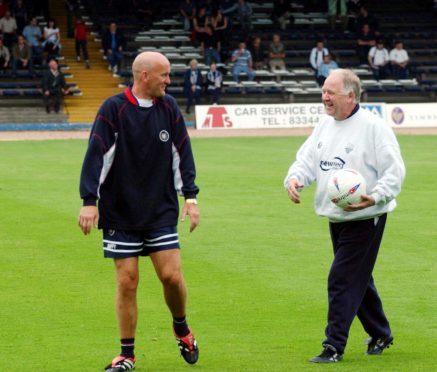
138,159
351,137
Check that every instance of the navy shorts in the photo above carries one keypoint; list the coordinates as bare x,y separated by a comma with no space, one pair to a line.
123,244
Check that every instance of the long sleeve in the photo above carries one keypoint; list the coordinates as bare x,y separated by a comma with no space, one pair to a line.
390,166
303,167
99,156
183,161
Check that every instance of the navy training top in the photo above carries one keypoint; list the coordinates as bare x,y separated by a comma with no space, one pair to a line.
138,159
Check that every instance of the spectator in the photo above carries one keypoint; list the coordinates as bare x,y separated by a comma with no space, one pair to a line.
276,54
146,12
210,7
214,79
71,7
211,46
52,40
20,14
113,44
80,36
365,18
242,60
325,68
188,11
220,25
32,33
399,61
229,9
366,40
5,57
8,26
281,13
244,12
3,8
22,57
317,54
333,13
379,60
199,23
53,86
258,53
193,83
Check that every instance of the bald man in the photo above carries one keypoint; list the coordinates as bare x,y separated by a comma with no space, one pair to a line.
138,159
351,137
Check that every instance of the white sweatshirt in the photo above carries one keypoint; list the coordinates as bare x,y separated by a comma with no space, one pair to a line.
363,142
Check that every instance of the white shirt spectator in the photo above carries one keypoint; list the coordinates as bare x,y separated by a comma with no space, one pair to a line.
8,26
379,56
51,34
399,55
316,57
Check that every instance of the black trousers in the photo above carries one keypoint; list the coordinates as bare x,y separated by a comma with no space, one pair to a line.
351,289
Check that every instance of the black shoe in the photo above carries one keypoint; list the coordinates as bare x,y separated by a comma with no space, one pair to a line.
377,346
188,347
328,355
120,364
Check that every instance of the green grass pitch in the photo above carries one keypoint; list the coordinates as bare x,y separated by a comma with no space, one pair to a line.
256,267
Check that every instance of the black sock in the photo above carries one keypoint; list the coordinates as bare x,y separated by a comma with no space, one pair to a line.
127,347
180,326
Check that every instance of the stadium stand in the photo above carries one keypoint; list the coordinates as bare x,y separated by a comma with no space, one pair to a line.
412,22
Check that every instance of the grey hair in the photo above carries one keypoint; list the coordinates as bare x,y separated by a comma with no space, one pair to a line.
351,82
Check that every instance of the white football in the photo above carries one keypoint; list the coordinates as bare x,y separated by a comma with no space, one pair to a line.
345,187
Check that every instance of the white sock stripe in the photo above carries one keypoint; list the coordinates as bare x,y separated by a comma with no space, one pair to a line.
161,237
122,243
164,243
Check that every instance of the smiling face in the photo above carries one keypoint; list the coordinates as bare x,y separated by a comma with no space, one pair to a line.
338,101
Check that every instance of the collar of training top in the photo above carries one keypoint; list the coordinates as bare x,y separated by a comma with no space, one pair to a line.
131,98
357,106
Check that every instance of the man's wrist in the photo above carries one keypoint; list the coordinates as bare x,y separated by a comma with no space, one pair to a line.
191,201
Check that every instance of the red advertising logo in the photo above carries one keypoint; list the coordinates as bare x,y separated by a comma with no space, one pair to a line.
217,117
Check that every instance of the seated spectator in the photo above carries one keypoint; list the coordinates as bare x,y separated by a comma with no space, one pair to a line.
258,53
8,26
281,13
220,25
325,68
399,61
146,12
52,40
214,80
5,57
80,36
53,86
365,18
187,10
211,46
193,83
22,57
33,35
113,45
317,54
242,60
200,21
20,13
210,7
276,54
244,12
366,39
334,13
229,9
379,60
3,8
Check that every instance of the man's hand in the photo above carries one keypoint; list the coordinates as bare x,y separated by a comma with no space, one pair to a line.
191,210
294,186
366,202
88,218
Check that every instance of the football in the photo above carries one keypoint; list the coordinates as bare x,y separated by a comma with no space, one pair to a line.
345,187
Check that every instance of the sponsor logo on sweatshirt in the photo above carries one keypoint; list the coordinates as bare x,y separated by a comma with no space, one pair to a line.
335,163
